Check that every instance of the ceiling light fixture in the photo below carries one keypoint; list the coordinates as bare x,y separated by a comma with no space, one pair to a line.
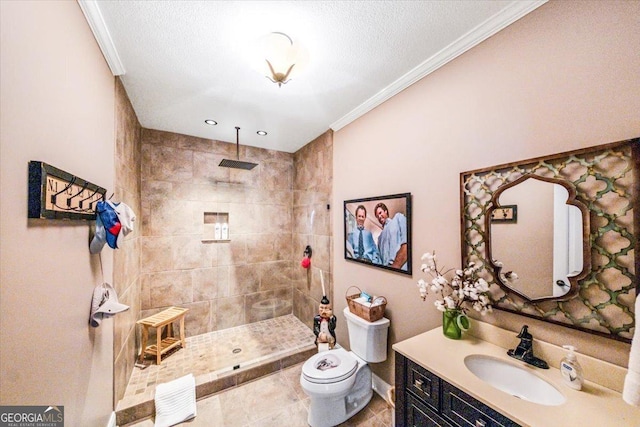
262,133
211,122
281,57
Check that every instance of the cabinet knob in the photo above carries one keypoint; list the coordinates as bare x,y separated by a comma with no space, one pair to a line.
418,383
481,423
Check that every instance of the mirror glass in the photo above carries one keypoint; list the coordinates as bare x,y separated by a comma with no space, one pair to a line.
536,239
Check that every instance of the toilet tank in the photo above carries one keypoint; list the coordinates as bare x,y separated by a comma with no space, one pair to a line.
368,340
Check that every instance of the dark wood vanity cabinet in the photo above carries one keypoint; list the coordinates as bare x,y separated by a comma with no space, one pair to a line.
425,400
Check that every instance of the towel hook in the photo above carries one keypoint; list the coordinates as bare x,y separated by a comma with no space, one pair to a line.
54,196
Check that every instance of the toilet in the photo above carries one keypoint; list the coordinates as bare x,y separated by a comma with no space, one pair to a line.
339,382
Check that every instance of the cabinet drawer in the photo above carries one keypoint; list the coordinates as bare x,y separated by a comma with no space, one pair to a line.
424,385
420,415
463,409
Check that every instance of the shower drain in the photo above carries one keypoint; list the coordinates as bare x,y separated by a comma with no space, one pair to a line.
236,350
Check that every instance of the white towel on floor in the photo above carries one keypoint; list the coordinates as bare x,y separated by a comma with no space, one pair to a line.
631,390
175,401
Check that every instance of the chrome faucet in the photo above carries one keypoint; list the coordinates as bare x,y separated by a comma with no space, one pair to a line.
524,350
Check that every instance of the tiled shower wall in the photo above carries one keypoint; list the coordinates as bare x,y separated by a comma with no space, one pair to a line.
224,284
126,267
275,210
312,191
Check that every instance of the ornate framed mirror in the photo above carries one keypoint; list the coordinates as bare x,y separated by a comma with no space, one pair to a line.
556,236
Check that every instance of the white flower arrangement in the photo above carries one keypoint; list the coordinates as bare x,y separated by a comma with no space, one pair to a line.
465,286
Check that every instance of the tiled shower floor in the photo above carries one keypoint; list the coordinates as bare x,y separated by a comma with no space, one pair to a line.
212,356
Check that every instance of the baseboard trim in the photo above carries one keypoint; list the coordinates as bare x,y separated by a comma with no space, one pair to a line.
382,388
112,420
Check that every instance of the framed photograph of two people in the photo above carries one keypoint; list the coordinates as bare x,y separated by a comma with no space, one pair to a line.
377,232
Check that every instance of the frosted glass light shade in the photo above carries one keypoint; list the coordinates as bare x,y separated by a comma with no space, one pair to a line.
279,58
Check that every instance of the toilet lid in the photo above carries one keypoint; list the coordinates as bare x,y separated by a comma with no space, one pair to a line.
329,366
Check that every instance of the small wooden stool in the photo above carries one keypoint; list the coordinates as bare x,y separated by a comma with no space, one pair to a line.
158,321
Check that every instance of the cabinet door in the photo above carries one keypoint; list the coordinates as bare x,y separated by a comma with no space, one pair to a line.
420,415
424,385
464,410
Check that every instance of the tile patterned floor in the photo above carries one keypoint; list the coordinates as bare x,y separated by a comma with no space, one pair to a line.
211,356
276,400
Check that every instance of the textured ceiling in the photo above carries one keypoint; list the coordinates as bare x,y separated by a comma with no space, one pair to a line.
186,61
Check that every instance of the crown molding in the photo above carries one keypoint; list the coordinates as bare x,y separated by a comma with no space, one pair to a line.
100,31
491,26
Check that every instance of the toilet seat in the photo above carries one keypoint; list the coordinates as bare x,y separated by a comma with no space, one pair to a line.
329,367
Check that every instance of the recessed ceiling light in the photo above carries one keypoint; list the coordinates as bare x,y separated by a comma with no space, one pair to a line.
261,133
211,122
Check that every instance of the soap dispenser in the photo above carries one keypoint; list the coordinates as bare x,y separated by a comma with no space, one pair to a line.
571,369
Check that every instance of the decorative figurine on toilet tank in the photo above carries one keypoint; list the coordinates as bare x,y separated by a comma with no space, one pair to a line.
324,323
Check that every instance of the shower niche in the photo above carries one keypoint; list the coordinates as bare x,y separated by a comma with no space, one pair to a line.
215,227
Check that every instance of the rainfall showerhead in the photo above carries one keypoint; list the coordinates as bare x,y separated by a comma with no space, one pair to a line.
237,164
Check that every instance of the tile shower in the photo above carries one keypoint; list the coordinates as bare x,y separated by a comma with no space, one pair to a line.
273,212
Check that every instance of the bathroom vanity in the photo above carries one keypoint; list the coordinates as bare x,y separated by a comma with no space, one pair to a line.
427,400
434,387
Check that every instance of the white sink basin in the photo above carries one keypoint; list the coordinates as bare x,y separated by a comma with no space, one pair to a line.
513,379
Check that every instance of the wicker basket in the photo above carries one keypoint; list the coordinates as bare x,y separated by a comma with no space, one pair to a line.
370,313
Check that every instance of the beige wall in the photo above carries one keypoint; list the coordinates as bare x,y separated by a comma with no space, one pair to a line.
563,77
57,102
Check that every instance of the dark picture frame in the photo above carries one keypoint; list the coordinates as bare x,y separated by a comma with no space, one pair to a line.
505,214
383,246
56,194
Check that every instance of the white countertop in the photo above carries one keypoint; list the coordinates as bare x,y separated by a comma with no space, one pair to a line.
594,405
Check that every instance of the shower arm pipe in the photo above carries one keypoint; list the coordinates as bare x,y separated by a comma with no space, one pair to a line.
238,143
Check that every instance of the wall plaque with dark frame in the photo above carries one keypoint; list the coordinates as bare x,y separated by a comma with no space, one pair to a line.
56,194
506,214
594,200
377,232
